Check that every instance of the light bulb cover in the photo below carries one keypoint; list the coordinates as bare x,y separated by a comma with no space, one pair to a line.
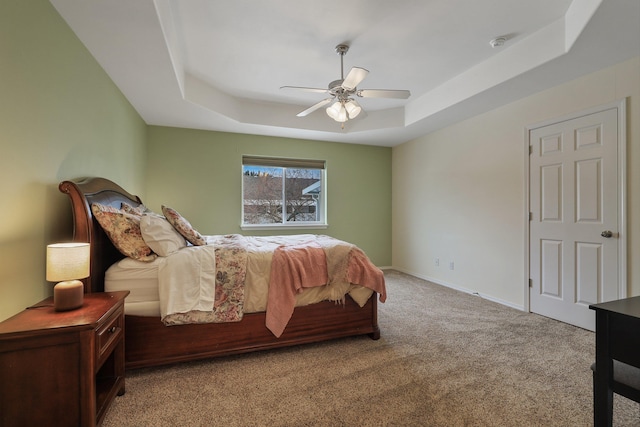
353,108
343,110
333,110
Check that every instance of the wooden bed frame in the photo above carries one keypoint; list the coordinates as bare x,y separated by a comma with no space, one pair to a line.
148,342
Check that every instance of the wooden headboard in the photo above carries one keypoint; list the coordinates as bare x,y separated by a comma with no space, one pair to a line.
84,192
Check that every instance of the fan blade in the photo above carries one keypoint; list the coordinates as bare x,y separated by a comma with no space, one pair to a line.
314,107
306,89
353,79
383,93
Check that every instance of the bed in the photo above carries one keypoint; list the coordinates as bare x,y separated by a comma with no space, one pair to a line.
149,342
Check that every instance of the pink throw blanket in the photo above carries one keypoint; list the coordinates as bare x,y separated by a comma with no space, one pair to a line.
361,271
296,267
292,269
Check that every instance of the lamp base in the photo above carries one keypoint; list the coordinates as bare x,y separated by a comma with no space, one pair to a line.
68,295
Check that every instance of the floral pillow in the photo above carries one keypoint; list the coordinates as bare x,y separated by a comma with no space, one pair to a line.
160,235
183,226
137,210
123,229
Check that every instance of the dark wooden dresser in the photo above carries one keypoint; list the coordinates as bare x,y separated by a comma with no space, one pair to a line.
617,338
62,368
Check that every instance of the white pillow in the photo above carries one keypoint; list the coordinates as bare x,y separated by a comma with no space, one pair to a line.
161,237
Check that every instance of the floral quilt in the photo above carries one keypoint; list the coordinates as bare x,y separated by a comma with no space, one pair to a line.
230,272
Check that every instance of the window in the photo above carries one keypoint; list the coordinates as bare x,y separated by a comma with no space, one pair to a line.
282,192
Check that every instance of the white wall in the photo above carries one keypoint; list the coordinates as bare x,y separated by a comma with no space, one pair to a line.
458,193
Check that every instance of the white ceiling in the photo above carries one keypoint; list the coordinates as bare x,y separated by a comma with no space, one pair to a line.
219,64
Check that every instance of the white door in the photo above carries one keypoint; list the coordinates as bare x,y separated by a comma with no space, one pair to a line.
574,227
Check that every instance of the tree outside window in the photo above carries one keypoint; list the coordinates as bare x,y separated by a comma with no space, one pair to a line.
282,191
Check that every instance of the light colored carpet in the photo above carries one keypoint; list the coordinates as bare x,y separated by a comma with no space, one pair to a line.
445,359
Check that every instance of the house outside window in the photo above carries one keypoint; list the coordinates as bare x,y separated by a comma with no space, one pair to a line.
281,192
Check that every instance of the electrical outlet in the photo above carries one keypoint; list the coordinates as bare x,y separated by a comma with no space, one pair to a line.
450,265
437,262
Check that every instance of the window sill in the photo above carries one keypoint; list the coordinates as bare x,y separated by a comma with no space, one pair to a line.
308,226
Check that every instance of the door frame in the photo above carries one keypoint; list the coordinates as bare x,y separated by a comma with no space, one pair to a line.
620,105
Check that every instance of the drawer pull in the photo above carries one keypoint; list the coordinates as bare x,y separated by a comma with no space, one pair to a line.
112,329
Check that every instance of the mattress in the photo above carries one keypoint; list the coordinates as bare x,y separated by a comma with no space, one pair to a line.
141,280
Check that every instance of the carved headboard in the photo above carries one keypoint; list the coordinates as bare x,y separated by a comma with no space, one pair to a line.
83,192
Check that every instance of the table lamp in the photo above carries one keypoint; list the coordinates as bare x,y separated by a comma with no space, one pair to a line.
66,263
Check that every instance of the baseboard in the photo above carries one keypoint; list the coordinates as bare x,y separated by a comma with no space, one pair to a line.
460,288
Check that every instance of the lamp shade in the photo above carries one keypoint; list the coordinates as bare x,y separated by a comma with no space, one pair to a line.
67,261
353,108
337,112
334,109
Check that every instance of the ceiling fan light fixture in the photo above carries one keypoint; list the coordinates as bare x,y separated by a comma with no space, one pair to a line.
344,107
337,112
342,116
353,108
333,110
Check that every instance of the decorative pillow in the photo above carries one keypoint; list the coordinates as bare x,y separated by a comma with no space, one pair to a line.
183,226
123,229
105,208
161,237
137,210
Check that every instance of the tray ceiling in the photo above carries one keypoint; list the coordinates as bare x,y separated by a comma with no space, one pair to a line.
219,65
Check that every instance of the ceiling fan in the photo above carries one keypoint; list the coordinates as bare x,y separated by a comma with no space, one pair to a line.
341,91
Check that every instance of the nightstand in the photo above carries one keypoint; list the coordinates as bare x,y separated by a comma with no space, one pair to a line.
62,368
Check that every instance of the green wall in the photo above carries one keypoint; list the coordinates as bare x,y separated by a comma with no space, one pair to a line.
199,174
61,117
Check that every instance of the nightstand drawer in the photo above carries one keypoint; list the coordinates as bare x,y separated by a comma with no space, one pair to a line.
108,336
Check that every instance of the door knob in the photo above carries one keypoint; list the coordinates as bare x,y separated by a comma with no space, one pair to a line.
606,234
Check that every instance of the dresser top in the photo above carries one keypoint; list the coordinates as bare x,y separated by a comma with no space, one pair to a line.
626,306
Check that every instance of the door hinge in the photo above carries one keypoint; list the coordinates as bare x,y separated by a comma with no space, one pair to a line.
530,283
530,216
531,149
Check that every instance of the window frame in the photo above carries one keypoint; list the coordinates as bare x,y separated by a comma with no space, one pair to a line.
287,163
